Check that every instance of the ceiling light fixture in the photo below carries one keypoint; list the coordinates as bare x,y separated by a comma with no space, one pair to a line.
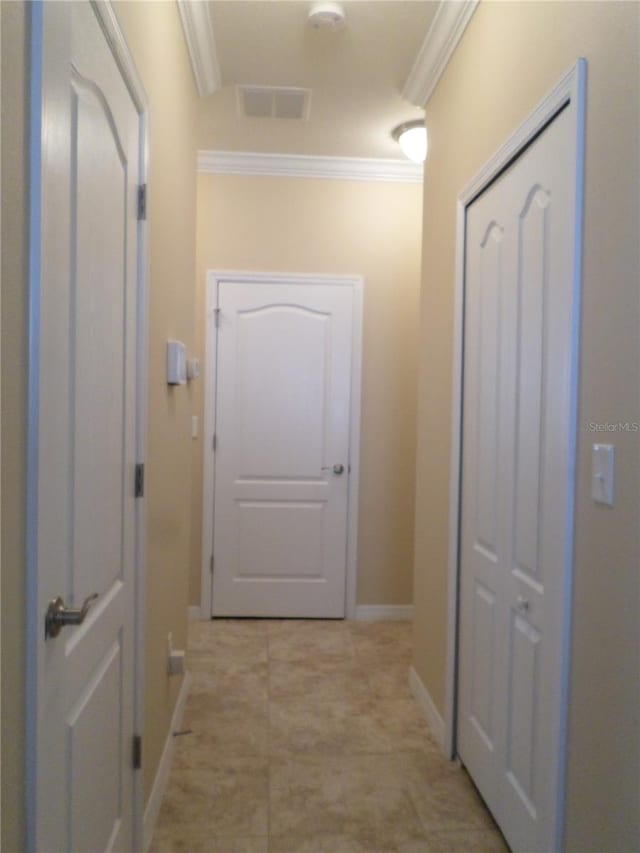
412,138
327,16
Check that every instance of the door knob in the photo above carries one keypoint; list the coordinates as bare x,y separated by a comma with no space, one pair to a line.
337,469
58,615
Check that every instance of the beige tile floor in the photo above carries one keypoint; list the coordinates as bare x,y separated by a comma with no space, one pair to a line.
306,739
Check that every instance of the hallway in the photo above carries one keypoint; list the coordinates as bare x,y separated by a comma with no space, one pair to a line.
305,738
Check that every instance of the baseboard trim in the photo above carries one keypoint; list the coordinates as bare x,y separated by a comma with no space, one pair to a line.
194,613
162,774
427,706
384,612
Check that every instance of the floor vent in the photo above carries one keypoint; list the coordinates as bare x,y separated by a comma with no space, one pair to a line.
273,102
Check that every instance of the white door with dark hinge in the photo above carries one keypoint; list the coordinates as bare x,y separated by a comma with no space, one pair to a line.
82,449
519,316
283,401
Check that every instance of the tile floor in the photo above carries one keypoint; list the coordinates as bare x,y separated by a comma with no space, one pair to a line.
306,739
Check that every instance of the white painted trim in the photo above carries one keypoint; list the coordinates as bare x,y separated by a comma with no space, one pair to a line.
455,488
194,614
578,87
159,786
384,613
1,444
113,32
564,91
427,706
214,277
305,166
209,377
33,625
445,32
570,92
142,360
353,501
106,15
201,44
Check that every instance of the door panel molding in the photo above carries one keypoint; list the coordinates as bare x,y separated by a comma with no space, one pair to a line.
214,278
569,93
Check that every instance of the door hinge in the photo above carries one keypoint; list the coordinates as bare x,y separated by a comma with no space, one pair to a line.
211,564
139,486
215,442
142,201
216,312
137,752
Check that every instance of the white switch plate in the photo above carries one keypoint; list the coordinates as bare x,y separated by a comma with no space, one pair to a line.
603,476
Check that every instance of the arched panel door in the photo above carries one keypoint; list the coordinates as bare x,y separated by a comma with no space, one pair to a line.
283,400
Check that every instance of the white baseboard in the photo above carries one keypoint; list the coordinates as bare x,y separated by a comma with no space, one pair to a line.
427,706
384,612
364,613
162,774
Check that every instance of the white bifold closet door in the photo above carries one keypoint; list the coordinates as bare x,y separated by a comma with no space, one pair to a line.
516,471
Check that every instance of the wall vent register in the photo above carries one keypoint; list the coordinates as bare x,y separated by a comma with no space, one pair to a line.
273,102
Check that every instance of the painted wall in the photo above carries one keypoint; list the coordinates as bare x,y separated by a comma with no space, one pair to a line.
154,34
270,224
509,58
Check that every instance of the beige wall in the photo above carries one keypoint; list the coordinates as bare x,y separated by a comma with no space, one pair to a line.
305,225
509,57
14,416
154,34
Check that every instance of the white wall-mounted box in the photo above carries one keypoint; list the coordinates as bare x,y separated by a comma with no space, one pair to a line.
176,363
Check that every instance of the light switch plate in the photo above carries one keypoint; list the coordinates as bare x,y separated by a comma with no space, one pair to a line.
603,473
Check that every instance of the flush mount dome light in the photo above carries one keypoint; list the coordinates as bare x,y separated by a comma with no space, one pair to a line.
327,16
412,138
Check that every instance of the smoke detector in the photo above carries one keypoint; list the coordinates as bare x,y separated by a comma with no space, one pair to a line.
327,16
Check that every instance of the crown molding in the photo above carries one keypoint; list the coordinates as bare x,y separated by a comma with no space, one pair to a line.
201,44
304,166
445,32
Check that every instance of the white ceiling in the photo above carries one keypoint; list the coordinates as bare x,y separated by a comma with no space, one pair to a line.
356,75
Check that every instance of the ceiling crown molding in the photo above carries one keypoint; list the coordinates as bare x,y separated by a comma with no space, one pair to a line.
445,32
201,43
304,166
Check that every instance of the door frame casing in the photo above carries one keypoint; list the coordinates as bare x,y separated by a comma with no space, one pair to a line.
569,93
213,279
107,19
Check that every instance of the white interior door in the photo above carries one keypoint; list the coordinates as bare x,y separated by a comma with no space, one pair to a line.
82,520
516,475
282,449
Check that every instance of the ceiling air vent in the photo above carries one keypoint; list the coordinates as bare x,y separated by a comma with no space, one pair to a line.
273,102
